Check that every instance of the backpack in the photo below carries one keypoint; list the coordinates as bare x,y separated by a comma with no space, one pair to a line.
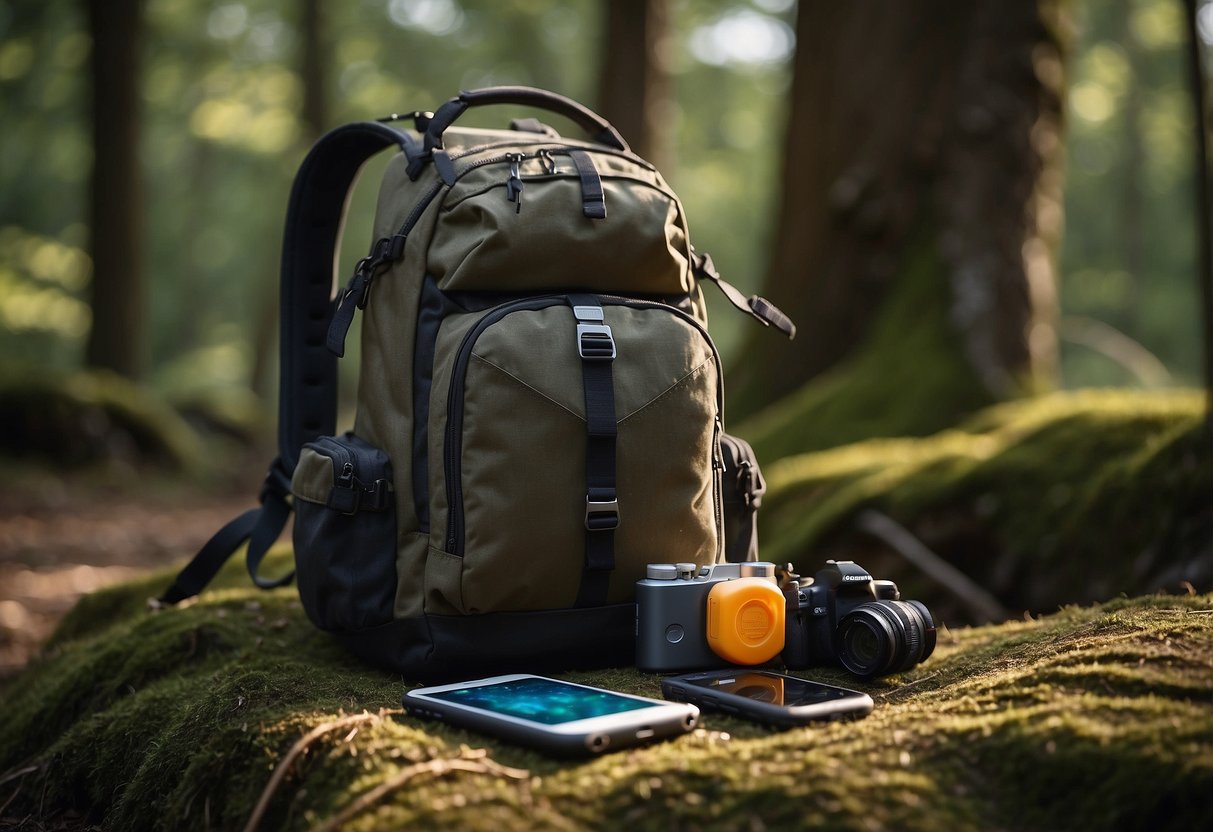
539,410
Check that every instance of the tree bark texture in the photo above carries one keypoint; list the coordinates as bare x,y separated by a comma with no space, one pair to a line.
116,195
931,126
314,67
634,77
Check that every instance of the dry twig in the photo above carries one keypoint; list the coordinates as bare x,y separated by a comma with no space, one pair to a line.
980,603
438,767
284,766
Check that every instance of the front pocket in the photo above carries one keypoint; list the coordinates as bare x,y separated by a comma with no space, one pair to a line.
502,233
345,533
508,445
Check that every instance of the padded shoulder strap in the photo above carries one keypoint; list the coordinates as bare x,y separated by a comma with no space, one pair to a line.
307,405
307,400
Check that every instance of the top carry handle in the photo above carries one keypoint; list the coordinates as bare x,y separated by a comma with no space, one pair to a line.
598,128
307,399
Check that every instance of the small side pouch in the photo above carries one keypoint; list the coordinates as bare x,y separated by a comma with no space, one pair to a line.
345,533
742,488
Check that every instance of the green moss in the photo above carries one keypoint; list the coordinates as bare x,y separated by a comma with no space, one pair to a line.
1093,717
1069,496
88,418
910,378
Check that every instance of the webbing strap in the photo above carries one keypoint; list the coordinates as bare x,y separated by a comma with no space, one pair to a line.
758,308
596,347
307,399
593,198
259,526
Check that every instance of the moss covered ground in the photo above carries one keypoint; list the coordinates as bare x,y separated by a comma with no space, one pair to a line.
1061,498
1094,717
233,707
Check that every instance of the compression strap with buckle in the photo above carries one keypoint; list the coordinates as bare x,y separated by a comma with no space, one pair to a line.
597,350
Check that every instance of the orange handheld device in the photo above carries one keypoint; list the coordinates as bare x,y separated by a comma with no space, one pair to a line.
746,620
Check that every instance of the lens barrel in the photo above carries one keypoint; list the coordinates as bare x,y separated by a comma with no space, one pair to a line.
882,637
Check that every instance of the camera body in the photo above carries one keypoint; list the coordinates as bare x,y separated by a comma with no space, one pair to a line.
689,618
844,616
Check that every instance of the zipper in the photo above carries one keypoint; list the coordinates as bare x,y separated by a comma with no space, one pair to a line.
452,446
513,185
326,446
361,481
718,483
453,441
389,249
544,154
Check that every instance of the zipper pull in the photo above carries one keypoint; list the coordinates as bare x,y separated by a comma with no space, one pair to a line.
546,160
345,496
513,185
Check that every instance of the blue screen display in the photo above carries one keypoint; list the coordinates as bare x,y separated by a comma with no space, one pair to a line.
542,700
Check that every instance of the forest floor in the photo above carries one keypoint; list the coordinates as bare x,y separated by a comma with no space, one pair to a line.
63,538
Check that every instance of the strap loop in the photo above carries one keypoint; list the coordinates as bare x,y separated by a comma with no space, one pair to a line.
758,308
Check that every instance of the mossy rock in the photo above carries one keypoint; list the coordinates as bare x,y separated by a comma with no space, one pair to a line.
1068,497
90,418
1095,717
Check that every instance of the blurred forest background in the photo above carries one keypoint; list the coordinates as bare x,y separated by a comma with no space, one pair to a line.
960,203
232,93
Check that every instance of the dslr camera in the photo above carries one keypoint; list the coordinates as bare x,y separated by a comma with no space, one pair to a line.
688,618
843,616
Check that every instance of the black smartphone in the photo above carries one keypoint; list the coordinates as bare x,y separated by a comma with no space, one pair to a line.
772,698
558,717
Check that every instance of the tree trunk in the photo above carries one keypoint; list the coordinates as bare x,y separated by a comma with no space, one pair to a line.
634,79
920,211
313,72
314,69
116,200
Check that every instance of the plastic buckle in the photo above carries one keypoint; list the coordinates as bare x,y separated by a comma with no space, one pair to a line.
601,515
379,495
595,342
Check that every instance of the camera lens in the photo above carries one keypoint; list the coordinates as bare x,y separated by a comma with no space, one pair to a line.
882,637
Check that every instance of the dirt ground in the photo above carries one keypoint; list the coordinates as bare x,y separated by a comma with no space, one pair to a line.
60,540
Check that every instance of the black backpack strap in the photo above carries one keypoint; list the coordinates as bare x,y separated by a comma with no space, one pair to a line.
596,347
307,399
759,308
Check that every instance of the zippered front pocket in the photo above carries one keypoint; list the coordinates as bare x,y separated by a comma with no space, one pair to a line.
507,440
515,223
345,533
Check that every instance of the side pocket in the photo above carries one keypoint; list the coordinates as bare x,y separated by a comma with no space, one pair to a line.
743,487
345,533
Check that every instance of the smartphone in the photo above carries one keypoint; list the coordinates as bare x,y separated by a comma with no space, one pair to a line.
554,716
767,697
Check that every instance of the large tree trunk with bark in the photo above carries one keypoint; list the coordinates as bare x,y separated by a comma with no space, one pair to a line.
116,201
634,79
920,211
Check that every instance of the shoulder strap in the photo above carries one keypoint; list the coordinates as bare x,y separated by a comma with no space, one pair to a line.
307,398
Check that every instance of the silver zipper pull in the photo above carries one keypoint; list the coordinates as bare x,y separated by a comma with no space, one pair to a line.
513,185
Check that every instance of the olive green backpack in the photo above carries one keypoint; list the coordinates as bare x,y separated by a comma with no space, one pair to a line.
539,403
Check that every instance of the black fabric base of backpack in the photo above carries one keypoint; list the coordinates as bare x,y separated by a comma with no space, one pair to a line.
447,648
